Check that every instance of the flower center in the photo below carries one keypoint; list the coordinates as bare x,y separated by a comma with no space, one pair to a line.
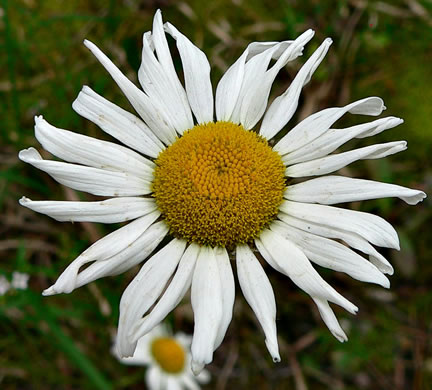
218,184
169,354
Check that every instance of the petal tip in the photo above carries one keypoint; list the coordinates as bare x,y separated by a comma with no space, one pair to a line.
196,367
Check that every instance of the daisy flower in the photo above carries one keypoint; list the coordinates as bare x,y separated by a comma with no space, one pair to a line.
20,280
207,173
167,359
4,285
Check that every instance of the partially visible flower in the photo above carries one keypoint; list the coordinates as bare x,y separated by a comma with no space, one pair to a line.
207,171
4,285
20,280
167,358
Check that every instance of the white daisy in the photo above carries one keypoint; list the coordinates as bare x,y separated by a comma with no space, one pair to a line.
167,359
20,280
4,285
216,183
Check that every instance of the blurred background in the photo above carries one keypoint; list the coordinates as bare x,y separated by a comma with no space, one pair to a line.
381,48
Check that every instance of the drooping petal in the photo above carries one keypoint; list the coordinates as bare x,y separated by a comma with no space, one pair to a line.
228,292
332,254
155,119
172,296
351,238
258,80
96,181
330,319
333,138
371,227
81,149
103,249
119,123
228,89
294,264
132,255
339,189
196,69
317,124
144,290
324,165
285,105
107,211
207,305
258,292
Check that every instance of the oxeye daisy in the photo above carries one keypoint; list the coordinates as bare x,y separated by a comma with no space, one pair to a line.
167,358
208,174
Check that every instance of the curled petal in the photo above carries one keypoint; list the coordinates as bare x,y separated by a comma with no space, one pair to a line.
285,105
107,247
119,123
294,264
329,141
107,211
95,181
317,124
338,189
324,165
371,227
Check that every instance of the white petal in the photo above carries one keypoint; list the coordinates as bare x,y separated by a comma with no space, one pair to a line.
352,239
118,123
330,319
285,105
108,211
324,165
144,290
228,292
153,378
132,255
206,296
228,89
339,189
189,382
155,119
258,292
172,296
111,245
333,138
173,383
93,180
166,62
332,254
371,227
196,69
258,81
158,87
317,124
80,149
298,268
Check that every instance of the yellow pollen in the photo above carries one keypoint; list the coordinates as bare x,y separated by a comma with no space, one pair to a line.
218,184
169,354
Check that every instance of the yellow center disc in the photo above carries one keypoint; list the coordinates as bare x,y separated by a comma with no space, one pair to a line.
218,184
169,354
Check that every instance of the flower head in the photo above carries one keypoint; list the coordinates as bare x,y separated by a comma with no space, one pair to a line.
167,358
218,184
